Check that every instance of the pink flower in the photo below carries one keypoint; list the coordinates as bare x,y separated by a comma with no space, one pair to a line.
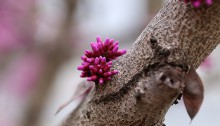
16,28
198,3
21,76
96,65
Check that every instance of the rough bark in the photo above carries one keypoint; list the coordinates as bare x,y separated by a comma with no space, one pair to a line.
151,74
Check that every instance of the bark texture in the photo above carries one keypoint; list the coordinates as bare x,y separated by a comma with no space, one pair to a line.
152,73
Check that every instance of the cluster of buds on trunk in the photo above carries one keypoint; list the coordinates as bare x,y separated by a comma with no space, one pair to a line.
96,65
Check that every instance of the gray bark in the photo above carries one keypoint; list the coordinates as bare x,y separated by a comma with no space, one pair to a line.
151,74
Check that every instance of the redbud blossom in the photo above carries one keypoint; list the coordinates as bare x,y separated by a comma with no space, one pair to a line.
96,65
198,3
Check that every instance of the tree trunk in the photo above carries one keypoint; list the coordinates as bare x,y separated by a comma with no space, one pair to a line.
152,73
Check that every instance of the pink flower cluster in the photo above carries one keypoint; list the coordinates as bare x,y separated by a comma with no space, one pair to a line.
198,3
96,65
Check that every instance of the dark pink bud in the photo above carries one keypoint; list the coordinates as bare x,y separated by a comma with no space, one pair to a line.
105,74
114,72
101,81
209,2
89,79
100,46
98,39
89,60
80,68
83,58
99,66
100,59
100,71
94,47
196,3
111,42
94,77
85,63
109,73
93,69
96,61
109,63
88,53
109,78
115,44
103,60
115,49
106,43
110,54
122,52
83,74
107,68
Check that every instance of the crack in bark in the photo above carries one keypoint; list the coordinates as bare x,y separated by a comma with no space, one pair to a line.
116,96
140,122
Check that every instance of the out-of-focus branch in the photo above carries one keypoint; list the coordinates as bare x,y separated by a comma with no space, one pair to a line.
55,55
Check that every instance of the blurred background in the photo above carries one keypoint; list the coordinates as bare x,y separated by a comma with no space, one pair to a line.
41,42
